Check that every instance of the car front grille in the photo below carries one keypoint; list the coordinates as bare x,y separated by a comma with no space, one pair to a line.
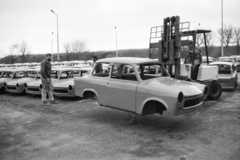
11,87
193,102
33,89
60,90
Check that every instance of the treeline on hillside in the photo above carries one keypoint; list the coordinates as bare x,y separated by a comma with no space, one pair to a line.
213,52
74,56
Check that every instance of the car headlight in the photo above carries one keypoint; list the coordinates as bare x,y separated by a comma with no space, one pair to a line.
70,87
180,97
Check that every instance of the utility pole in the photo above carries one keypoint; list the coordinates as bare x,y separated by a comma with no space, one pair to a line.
57,36
116,42
222,30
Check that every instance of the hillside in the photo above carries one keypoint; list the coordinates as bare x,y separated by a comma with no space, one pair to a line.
213,52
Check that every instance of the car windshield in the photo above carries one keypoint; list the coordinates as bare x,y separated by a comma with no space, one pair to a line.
7,74
31,74
79,73
60,74
149,71
18,74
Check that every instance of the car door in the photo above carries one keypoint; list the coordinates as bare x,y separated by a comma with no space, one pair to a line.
121,87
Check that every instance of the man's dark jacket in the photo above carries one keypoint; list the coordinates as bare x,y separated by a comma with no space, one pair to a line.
46,69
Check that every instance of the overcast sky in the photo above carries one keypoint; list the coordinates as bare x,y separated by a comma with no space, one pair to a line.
94,21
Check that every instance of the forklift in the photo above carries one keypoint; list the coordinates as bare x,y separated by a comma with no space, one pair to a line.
168,42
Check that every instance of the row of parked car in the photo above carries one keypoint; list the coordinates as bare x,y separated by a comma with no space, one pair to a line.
62,63
25,79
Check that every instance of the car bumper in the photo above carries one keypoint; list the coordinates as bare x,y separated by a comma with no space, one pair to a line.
63,92
35,91
189,104
13,89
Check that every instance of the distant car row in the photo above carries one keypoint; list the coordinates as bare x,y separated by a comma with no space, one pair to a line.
63,63
28,80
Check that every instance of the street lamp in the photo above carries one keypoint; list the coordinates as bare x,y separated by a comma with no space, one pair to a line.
222,30
57,36
116,42
52,46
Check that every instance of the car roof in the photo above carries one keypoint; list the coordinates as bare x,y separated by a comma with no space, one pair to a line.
128,60
225,63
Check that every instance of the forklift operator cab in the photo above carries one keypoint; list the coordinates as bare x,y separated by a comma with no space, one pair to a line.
195,59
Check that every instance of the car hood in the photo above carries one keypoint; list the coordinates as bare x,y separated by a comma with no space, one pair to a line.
37,83
64,84
173,85
20,81
34,84
2,80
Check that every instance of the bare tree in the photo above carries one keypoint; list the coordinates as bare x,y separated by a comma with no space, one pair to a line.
78,47
67,48
237,38
24,49
11,51
227,35
199,40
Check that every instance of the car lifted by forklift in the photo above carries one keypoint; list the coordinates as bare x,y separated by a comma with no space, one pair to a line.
168,40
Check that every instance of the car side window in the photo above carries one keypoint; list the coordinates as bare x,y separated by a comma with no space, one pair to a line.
101,70
124,72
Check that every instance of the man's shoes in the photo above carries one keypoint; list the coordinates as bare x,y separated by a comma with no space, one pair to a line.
45,103
54,102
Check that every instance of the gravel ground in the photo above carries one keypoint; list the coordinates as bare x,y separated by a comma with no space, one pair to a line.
80,129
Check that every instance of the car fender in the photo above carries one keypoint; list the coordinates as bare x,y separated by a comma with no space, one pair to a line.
89,89
153,99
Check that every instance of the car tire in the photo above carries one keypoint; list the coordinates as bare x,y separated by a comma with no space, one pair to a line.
215,91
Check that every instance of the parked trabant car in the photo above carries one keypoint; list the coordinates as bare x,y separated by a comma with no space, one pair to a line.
5,75
17,85
227,75
57,75
66,88
8,75
141,86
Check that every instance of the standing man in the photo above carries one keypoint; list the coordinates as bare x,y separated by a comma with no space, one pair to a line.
47,88
97,66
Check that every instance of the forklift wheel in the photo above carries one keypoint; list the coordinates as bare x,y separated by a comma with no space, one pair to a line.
215,91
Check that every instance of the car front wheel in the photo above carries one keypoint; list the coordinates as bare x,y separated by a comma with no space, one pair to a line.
215,91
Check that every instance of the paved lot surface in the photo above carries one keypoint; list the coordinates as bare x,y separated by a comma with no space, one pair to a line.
80,129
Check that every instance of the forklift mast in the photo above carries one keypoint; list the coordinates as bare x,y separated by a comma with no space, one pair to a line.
167,39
